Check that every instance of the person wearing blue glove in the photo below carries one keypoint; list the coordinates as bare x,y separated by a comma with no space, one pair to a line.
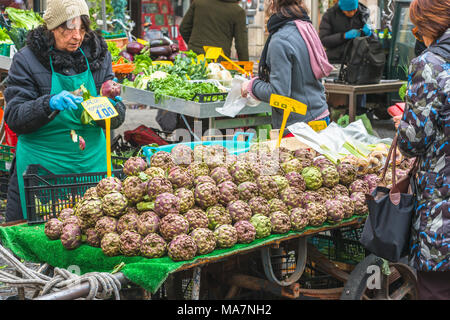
352,34
60,55
367,30
340,24
64,101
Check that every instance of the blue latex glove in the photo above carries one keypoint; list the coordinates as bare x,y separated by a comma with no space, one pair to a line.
64,100
114,101
367,30
351,34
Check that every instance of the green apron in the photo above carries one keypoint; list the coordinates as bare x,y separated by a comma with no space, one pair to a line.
52,146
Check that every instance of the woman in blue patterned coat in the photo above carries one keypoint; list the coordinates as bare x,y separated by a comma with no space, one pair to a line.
424,132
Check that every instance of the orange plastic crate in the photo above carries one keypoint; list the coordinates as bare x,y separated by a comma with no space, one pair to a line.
246,65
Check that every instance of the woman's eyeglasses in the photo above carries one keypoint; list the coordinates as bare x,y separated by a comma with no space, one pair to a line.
416,34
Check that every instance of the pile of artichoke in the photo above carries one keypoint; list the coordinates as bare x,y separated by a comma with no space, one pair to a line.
189,202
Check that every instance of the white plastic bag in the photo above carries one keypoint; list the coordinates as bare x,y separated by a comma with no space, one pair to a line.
235,102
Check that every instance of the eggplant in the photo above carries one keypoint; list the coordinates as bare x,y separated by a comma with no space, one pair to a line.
134,47
160,51
173,56
126,55
174,47
159,42
162,58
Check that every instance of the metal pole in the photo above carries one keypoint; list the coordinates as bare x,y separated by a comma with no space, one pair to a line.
196,282
77,292
104,15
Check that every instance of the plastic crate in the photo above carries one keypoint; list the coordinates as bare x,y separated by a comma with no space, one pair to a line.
233,146
6,157
46,193
340,245
5,49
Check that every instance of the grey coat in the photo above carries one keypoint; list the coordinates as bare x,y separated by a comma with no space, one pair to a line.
291,76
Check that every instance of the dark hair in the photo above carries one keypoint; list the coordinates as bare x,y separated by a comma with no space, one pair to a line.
286,7
431,17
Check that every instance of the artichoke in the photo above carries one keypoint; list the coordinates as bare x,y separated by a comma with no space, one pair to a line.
292,197
203,179
166,203
114,204
280,221
228,191
340,190
296,180
106,225
182,155
247,190
89,211
220,174
108,185
335,211
110,244
268,187
293,165
173,225
281,181
312,177
198,169
359,186
134,165
239,210
134,189
317,213
217,215
226,236
330,176
347,204
206,195
153,246
180,178
130,243
299,219
148,222
53,229
372,180
262,225
347,173
153,172
259,205
162,159
241,171
71,236
65,213
359,199
204,239
277,205
187,200
246,232
128,221
158,185
182,248
93,238
197,218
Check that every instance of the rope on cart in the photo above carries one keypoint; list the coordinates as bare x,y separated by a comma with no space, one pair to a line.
62,279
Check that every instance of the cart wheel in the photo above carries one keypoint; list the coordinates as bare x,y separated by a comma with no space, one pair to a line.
400,284
282,264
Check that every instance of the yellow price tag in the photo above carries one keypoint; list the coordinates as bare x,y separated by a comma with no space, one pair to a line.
99,108
288,105
200,57
213,53
318,125
142,41
170,63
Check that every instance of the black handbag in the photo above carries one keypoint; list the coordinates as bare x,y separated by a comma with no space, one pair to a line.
387,228
363,61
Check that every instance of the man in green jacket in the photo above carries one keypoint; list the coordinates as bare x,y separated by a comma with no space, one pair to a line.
215,23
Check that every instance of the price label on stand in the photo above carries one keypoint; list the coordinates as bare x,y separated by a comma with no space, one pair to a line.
162,62
213,53
288,105
318,125
102,109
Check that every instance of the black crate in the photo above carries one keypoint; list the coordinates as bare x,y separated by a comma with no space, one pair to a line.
4,181
47,193
341,245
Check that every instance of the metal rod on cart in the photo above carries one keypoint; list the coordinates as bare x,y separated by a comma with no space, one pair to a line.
257,284
77,292
196,282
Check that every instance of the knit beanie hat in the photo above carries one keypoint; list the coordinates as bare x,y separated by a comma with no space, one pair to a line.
348,5
59,11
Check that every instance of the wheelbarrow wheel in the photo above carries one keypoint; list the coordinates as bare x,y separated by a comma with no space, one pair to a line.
368,282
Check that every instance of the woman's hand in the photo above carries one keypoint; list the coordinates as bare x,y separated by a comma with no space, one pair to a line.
64,100
397,120
244,91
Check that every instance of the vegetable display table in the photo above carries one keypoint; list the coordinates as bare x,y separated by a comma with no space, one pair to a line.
200,110
353,91
5,62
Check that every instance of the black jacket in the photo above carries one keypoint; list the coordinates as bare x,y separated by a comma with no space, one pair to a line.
28,85
334,25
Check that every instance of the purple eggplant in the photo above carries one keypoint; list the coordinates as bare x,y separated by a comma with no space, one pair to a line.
135,47
126,55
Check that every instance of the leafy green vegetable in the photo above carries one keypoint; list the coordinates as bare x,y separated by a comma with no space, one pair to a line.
18,37
26,19
4,35
113,49
142,62
402,91
175,86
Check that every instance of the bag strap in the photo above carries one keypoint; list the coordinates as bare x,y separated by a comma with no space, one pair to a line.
388,159
344,59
